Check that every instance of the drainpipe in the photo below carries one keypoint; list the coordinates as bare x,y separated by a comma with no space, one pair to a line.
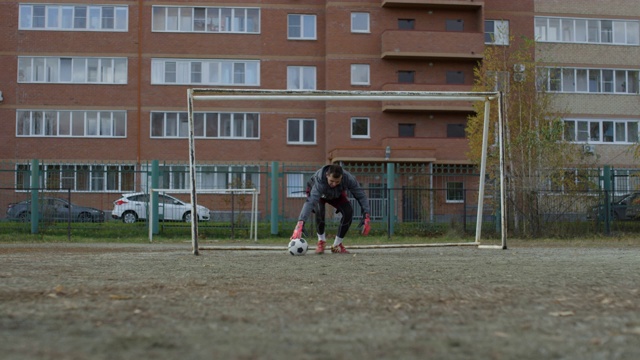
139,104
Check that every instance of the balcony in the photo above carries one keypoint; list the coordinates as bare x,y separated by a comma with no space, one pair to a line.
432,3
407,149
410,44
426,106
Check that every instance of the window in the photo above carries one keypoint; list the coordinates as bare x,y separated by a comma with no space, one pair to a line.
296,186
207,177
606,31
555,79
498,80
593,80
567,28
454,25
301,78
173,177
360,128
568,80
301,27
496,32
52,123
455,77
206,125
78,177
360,74
359,22
54,70
633,32
626,179
406,130
406,24
455,131
596,31
406,77
205,72
73,17
206,19
301,131
575,179
455,192
601,131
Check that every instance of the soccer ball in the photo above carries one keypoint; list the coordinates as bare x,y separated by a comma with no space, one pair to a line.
298,247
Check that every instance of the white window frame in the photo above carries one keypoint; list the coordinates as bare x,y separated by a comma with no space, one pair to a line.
55,16
602,131
450,200
298,124
214,72
207,125
308,23
500,34
594,81
587,30
301,78
360,22
236,20
108,178
360,74
207,177
356,119
69,123
72,70
296,186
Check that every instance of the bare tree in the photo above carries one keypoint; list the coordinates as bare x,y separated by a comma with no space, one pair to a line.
536,156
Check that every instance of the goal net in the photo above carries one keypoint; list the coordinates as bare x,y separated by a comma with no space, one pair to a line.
220,95
229,207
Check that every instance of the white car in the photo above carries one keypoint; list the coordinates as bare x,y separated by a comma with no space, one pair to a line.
133,207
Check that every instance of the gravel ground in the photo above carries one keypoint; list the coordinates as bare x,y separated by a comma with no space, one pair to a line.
137,301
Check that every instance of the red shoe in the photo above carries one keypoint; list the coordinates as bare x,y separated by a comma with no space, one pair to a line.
340,249
320,247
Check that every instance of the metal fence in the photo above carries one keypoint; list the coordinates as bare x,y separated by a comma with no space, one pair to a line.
405,199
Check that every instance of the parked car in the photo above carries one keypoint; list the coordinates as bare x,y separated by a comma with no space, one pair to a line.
133,207
54,209
626,207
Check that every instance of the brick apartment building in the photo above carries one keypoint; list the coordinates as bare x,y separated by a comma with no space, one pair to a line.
96,90
591,50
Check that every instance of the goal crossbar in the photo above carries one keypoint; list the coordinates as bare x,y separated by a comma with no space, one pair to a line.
222,94
336,95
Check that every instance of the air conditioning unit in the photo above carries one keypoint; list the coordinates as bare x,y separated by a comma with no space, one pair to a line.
589,149
518,77
518,67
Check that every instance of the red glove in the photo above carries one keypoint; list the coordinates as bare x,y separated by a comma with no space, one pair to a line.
297,232
366,228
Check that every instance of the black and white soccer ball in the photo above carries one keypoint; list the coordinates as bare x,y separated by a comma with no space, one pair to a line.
298,247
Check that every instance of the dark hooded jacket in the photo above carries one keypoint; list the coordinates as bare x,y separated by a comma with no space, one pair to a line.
318,188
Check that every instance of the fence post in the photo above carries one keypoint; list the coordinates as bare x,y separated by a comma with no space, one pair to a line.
274,197
608,191
155,176
35,180
390,184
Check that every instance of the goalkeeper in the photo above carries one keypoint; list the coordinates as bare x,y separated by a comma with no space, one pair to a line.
329,185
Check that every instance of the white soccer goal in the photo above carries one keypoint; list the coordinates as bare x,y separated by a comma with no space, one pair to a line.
219,94
253,212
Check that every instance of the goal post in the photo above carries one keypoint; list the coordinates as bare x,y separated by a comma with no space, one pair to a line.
222,94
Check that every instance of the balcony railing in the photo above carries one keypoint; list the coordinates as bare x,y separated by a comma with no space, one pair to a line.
411,44
426,106
407,149
432,3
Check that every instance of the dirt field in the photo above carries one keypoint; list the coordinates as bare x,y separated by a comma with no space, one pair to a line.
141,301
